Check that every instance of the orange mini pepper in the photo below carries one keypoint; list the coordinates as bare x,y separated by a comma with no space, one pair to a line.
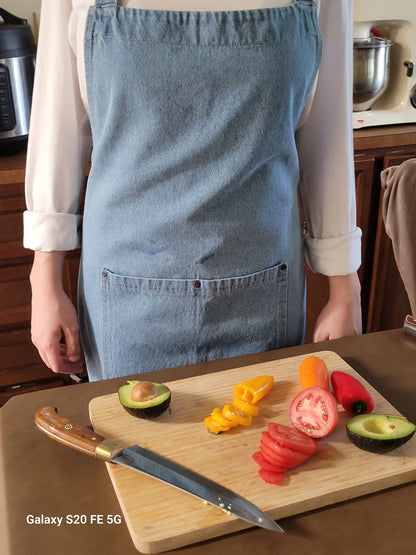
313,372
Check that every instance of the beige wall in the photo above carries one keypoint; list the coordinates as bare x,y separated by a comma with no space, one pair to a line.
27,9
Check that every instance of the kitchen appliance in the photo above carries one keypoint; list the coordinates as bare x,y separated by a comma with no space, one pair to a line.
384,62
371,71
17,69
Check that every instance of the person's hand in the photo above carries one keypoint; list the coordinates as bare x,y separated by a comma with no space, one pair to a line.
341,315
55,329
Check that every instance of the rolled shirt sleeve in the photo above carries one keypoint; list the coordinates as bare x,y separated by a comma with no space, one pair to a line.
59,138
325,147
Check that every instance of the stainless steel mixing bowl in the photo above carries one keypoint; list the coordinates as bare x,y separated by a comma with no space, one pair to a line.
371,71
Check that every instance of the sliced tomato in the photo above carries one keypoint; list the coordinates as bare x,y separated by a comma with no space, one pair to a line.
279,465
290,455
264,463
287,436
273,458
314,412
271,477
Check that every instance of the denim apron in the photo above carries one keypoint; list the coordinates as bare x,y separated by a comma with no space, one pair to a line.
192,245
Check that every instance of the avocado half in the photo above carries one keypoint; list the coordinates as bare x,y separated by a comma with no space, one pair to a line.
144,399
379,433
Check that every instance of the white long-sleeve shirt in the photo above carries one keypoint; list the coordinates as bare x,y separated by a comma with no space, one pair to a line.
60,136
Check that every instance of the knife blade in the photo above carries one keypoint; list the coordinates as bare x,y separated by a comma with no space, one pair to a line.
152,464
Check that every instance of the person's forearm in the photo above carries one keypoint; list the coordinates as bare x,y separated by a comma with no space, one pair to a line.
54,330
345,288
47,269
342,313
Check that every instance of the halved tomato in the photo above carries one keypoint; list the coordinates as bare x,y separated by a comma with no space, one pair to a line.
258,457
287,436
314,412
271,477
290,455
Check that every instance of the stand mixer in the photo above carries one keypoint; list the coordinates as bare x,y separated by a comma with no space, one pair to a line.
384,62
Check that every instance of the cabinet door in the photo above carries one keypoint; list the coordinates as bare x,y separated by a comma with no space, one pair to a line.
388,303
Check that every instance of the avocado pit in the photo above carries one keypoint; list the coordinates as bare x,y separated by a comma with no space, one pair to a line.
144,391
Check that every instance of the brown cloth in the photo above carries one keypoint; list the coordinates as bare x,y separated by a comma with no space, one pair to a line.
399,216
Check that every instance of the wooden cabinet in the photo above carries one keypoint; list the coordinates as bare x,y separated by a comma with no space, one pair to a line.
21,368
384,300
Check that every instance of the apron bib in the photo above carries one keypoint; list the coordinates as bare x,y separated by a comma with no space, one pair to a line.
192,245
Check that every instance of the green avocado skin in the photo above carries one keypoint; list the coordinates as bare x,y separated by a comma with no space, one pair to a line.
377,445
148,409
360,428
149,412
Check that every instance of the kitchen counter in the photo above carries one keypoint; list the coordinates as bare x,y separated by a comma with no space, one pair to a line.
42,478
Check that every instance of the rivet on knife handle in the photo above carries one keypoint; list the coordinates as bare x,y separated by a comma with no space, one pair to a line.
80,438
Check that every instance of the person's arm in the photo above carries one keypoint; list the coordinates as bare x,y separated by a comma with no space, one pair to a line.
58,149
55,331
342,313
327,185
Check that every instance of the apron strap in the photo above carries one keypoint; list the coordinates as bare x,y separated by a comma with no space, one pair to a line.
100,3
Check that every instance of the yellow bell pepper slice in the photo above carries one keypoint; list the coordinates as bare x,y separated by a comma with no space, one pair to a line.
247,408
213,426
220,418
255,389
233,413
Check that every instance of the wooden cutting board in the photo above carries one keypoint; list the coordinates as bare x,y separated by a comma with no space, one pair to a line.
160,517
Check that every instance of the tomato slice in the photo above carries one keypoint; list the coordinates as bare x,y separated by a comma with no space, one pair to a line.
314,412
259,458
295,457
271,477
287,436
273,458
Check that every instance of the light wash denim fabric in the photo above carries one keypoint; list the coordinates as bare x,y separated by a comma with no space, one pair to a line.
192,245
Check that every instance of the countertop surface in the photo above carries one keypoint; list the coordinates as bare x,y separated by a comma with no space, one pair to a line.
45,481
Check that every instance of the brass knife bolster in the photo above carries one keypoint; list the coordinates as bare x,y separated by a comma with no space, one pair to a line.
107,450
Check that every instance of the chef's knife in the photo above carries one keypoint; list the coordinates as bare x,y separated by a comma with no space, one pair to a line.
137,458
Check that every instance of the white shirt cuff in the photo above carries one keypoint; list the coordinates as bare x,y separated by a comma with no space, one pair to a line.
51,232
334,256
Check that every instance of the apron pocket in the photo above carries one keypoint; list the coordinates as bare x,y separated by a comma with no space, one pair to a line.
243,315
150,323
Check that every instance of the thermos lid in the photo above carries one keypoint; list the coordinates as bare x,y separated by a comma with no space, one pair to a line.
16,37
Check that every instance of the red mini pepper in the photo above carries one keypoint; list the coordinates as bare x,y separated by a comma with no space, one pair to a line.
351,393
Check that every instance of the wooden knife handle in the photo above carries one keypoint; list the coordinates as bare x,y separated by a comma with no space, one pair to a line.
78,437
